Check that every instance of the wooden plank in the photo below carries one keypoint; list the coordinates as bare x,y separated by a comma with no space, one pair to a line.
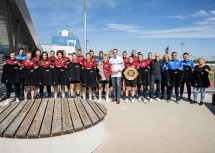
76,120
2,108
67,121
102,107
36,124
12,128
83,114
24,127
47,121
4,114
97,110
11,117
94,118
57,123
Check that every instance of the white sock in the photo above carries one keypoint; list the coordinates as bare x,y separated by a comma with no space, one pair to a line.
84,96
63,95
90,96
55,96
100,96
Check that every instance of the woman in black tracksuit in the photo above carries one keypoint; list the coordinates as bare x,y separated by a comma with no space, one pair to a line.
11,76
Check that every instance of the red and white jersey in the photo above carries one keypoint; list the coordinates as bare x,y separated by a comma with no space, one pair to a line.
60,63
45,64
143,63
88,64
29,64
134,64
12,62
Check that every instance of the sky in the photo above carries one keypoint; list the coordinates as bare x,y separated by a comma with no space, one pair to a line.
143,25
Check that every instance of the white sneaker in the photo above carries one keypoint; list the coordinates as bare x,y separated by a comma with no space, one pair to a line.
151,100
17,100
55,96
139,99
63,95
90,97
126,100
7,102
145,101
132,100
107,99
158,99
99,100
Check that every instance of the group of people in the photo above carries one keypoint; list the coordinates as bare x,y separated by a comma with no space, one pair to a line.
107,73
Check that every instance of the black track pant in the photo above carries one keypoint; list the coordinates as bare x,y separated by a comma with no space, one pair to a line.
188,84
48,89
9,90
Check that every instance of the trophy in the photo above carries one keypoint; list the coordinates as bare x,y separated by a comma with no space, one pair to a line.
130,73
100,68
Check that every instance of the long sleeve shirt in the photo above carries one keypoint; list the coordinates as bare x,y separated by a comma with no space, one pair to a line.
117,63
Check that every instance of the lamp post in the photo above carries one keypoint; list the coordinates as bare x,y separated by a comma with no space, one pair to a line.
182,49
85,27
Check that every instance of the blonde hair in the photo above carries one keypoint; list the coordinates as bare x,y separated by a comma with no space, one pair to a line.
165,56
201,58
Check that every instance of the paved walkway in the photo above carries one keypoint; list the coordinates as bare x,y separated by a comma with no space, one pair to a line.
159,127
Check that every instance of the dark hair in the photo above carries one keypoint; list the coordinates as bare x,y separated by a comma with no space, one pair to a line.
115,49
173,53
140,54
74,53
87,54
150,53
91,51
52,51
41,57
124,51
21,49
186,54
79,50
101,52
12,52
131,57
133,50
59,52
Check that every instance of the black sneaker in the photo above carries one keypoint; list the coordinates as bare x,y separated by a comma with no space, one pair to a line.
49,95
168,100
41,95
162,97
180,98
177,101
190,100
201,103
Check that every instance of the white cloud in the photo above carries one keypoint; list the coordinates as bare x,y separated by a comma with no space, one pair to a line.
181,32
200,14
122,27
212,12
186,32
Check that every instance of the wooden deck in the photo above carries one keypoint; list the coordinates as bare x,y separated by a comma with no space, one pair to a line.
49,117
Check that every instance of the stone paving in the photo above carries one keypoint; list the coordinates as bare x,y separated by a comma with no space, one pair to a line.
159,127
